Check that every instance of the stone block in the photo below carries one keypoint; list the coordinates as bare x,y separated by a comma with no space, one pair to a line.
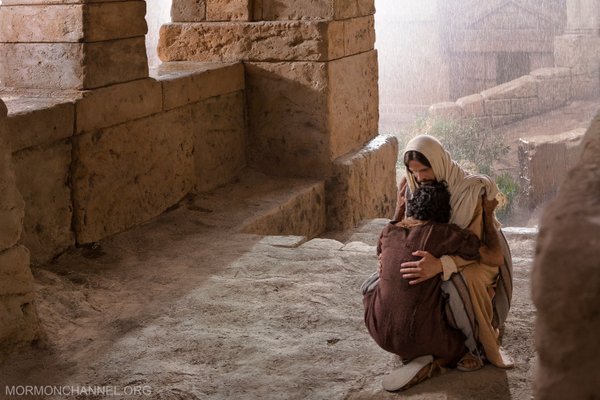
524,86
219,140
526,107
265,41
116,104
302,214
554,87
580,53
472,106
544,162
497,107
38,121
72,65
228,10
72,23
353,99
11,202
42,178
500,120
15,274
188,82
585,86
363,184
19,322
304,115
311,9
127,174
445,110
188,10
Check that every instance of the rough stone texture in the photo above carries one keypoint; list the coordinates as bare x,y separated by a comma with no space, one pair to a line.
116,104
288,241
19,322
304,115
34,122
219,140
445,110
15,274
228,10
554,87
188,10
565,284
311,9
520,87
188,82
42,178
526,107
472,106
544,162
580,53
72,23
129,173
72,65
303,214
363,184
265,41
11,202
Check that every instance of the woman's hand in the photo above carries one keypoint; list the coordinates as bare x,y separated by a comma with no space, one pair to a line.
419,271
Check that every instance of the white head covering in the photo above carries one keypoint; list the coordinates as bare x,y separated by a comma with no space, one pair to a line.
465,189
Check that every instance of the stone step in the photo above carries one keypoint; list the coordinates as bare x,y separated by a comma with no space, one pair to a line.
259,204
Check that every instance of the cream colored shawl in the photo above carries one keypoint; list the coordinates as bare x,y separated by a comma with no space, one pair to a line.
465,189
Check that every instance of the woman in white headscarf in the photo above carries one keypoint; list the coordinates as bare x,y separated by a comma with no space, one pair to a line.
426,160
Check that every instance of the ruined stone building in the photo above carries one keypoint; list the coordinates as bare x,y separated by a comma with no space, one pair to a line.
94,143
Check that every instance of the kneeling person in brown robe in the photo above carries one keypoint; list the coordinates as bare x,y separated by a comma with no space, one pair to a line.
409,319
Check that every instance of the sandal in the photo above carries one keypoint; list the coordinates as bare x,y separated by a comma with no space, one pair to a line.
410,374
478,363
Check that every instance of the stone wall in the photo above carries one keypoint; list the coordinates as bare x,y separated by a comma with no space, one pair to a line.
18,317
566,278
108,159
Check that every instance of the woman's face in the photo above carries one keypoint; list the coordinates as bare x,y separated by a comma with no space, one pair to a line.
422,173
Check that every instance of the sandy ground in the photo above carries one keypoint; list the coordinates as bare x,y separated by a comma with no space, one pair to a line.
185,307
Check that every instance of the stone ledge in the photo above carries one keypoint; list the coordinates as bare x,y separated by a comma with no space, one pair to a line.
189,82
15,274
265,41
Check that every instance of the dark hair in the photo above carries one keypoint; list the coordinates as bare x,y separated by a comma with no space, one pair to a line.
411,155
430,202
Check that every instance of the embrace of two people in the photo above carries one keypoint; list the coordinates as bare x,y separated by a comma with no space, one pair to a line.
443,286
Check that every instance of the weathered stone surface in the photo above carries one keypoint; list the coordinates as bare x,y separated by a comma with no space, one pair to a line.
18,321
524,86
72,23
363,184
188,10
287,118
288,241
129,173
11,202
580,53
188,82
472,106
497,107
567,299
445,110
499,120
265,41
72,65
115,61
311,9
554,87
34,122
353,102
228,10
42,178
526,107
303,214
585,86
15,274
116,104
544,162
219,140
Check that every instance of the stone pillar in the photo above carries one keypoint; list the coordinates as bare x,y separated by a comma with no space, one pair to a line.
565,282
579,48
18,318
80,45
311,84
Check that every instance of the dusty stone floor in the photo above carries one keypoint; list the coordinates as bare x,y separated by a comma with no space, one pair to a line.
185,307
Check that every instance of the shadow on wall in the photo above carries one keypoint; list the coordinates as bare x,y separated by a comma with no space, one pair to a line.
158,12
